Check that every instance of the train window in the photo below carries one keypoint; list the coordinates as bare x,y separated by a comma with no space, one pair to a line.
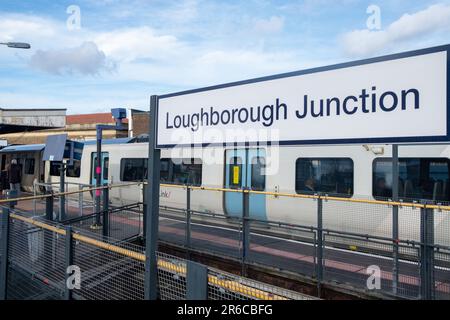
29,166
235,179
54,168
186,171
105,167
333,176
181,171
3,162
165,170
133,169
74,170
419,178
258,173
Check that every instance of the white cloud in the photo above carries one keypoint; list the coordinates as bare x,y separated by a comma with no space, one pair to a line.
85,59
137,43
410,26
272,25
19,26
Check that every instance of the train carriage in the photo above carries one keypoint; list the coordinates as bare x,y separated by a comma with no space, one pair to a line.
346,171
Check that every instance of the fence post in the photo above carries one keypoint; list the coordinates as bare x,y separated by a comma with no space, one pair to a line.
245,227
49,207
395,232
196,281
62,197
106,211
68,261
188,221
426,252
152,212
319,244
144,210
80,200
4,254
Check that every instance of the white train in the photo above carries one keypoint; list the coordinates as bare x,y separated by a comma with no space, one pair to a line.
351,171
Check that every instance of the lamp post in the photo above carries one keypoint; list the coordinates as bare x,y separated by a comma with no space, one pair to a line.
16,45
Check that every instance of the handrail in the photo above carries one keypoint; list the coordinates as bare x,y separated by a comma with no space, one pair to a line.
315,197
268,193
226,284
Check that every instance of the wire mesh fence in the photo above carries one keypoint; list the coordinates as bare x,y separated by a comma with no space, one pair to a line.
40,253
331,240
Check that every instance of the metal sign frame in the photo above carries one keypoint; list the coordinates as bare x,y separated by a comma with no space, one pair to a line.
412,139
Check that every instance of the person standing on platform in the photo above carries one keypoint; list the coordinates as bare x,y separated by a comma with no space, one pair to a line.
15,176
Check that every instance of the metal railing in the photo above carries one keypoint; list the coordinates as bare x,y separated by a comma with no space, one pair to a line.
335,248
328,250
36,257
40,188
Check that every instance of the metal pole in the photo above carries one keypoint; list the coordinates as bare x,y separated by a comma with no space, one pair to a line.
427,252
62,198
48,235
80,200
188,221
49,207
68,261
144,210
152,219
245,228
34,194
67,202
4,254
106,211
395,232
319,244
196,281
98,178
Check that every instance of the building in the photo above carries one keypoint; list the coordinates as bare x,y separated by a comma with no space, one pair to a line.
78,127
28,120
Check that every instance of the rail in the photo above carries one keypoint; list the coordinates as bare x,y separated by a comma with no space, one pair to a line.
238,285
268,193
408,240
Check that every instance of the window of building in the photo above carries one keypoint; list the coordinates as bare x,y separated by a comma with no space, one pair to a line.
333,176
29,166
419,178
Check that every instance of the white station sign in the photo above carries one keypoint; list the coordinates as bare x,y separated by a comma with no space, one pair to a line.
398,98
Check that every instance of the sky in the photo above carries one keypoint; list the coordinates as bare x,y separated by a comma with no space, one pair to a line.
93,55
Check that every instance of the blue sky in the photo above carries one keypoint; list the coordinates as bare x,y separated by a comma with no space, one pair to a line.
124,51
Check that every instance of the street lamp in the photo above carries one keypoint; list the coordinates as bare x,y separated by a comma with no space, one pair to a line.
17,45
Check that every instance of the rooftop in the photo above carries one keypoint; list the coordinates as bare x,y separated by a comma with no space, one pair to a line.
92,118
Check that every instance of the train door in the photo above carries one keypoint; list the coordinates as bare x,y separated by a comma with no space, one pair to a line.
105,167
245,168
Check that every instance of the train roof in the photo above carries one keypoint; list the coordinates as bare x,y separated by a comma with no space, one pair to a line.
40,147
23,148
110,141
